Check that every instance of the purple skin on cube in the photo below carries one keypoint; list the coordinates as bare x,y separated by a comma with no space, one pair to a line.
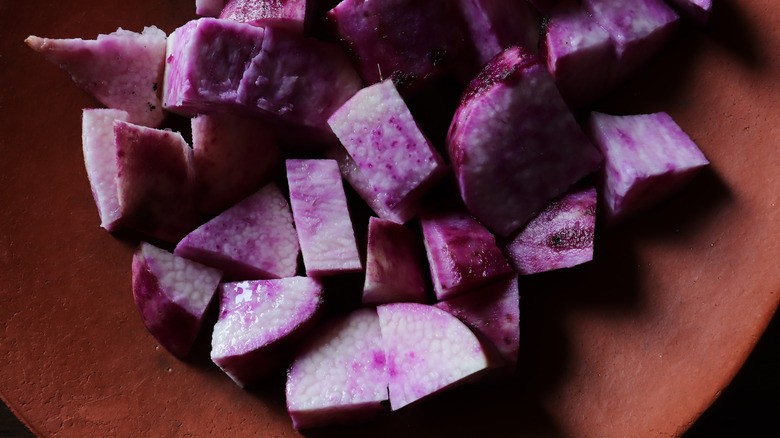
561,236
646,158
427,350
322,219
254,239
258,323
344,357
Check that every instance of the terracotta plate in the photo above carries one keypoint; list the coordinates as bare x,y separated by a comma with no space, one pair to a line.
637,343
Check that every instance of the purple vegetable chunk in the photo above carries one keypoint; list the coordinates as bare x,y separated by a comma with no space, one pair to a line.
646,157
258,323
394,261
698,11
253,239
392,155
427,351
339,374
561,236
209,8
290,13
513,143
322,220
172,294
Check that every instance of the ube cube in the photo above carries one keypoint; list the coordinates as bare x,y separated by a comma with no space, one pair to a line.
561,236
394,264
206,59
155,181
253,239
258,323
411,42
494,312
123,70
462,253
234,156
396,162
698,11
99,146
321,215
209,8
427,351
172,295
513,143
290,13
339,374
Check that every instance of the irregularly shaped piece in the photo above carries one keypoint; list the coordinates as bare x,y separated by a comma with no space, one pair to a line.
646,157
513,143
234,156
172,294
493,311
339,374
427,351
253,239
123,70
394,158
698,11
206,59
394,264
322,219
462,253
99,146
289,13
209,8
561,236
155,181
258,323
408,41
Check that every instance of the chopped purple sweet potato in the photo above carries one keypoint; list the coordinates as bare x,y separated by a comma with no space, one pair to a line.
388,149
561,236
234,156
698,11
254,239
205,61
427,351
155,181
99,146
172,294
513,143
462,253
394,264
209,8
411,42
288,13
646,157
339,374
322,219
123,70
258,323
494,312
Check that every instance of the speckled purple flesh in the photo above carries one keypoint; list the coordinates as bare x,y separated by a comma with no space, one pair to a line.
340,373
561,236
260,12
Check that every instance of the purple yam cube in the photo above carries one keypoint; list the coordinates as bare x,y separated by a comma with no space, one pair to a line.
427,351
209,8
411,42
579,54
389,150
172,294
155,181
254,239
99,146
646,157
494,312
462,253
205,61
322,220
258,323
513,143
290,13
561,236
123,70
394,264
698,11
299,82
339,374
234,156
638,28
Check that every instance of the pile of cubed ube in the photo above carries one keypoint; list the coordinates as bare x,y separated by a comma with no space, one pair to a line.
287,100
